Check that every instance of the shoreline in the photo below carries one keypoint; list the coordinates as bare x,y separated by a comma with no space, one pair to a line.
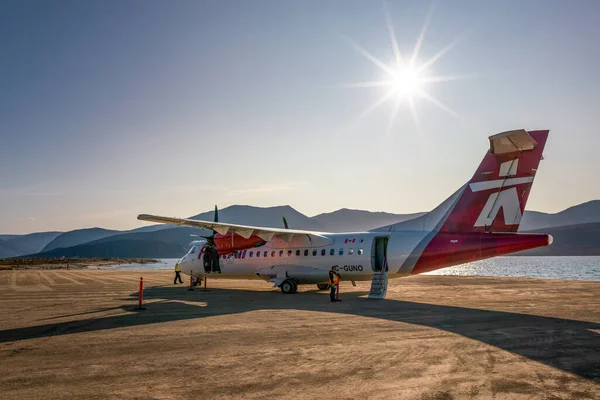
56,263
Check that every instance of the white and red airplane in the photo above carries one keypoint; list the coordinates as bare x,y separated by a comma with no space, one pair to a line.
478,221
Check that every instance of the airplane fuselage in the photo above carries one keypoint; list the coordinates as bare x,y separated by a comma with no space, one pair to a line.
356,256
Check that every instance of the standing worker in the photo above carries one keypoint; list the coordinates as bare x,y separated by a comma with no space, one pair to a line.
214,258
206,258
177,274
334,281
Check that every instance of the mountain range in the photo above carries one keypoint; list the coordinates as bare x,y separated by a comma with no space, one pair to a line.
576,231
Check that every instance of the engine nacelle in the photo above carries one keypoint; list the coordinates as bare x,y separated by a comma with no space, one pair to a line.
226,245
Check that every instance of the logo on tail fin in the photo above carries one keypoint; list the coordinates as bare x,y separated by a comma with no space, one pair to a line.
508,200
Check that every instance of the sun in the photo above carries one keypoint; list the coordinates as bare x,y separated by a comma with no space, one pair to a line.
406,82
405,79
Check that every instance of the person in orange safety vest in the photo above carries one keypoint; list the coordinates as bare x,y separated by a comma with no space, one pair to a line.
334,281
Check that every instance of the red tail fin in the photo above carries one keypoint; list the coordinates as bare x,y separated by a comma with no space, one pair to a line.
494,199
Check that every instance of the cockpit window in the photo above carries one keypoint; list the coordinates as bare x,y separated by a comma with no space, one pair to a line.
193,250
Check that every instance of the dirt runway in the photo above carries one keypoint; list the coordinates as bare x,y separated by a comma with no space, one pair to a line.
74,334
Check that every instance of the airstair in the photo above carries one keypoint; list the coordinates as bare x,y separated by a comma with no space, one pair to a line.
379,282
379,279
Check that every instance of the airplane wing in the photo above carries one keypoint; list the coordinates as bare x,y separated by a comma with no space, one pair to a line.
223,228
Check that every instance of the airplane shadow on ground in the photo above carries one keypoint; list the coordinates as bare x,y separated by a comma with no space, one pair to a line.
568,345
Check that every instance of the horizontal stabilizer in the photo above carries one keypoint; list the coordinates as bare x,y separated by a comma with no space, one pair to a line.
511,141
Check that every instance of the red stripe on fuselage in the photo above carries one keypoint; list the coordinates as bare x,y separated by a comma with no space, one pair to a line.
448,249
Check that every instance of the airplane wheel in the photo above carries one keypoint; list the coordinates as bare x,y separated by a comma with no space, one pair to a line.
323,286
295,286
287,286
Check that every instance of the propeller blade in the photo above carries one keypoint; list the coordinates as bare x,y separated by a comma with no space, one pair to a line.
216,220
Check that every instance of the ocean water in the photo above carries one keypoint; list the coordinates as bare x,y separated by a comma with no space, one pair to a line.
578,268
163,263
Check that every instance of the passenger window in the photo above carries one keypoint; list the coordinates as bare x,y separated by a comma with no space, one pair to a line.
244,254
360,252
341,252
289,253
258,254
251,254
265,253
280,253
273,253
314,252
323,252
332,252
305,252
350,252
297,252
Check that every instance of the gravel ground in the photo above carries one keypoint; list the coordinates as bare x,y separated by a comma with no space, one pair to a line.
75,334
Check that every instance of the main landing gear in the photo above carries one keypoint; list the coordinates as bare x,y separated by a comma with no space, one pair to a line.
288,286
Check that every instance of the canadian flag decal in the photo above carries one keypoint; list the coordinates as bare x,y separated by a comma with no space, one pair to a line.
350,240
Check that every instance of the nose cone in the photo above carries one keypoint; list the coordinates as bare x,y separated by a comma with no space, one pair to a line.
186,264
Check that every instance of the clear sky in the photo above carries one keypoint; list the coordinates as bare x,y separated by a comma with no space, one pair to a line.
113,108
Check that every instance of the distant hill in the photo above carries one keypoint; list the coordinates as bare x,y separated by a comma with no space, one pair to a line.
169,241
26,244
125,248
580,239
6,237
8,251
579,214
263,216
172,241
178,235
79,236
346,220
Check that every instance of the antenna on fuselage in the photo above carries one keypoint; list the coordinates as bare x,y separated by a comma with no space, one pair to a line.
285,224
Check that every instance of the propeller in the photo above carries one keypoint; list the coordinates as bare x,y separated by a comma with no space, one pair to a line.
211,239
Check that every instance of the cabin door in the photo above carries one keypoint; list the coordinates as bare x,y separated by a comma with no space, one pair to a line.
379,254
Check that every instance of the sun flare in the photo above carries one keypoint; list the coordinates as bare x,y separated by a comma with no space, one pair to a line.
405,79
406,82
